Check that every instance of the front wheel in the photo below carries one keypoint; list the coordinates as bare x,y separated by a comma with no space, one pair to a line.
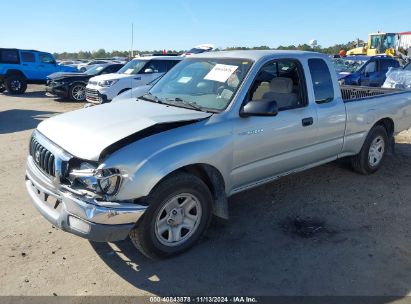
372,152
178,214
16,84
77,92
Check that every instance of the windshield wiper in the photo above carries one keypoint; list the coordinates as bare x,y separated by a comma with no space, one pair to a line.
191,104
150,97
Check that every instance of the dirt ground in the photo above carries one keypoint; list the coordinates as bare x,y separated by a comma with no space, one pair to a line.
326,231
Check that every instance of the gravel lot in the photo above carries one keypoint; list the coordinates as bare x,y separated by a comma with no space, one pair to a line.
326,231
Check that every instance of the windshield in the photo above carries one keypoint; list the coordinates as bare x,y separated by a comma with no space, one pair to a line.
343,65
94,70
204,84
133,67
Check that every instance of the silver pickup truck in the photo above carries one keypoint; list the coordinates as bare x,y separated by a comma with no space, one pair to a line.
157,168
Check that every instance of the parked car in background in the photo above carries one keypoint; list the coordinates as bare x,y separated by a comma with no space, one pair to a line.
137,91
73,85
347,65
217,124
21,67
82,67
372,73
138,72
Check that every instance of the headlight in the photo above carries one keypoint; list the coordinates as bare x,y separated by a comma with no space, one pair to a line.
107,83
108,180
102,181
341,81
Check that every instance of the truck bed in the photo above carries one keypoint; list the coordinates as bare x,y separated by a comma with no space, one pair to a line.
350,93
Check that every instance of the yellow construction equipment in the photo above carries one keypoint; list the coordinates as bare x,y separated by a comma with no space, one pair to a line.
378,43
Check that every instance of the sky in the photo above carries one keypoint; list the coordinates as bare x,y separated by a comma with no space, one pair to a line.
56,26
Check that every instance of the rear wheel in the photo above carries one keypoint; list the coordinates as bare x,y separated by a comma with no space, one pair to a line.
178,214
373,151
16,84
77,92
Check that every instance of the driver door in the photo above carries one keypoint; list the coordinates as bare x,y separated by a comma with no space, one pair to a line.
369,73
46,65
268,146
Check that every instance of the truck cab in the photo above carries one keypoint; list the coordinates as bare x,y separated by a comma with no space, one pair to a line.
21,67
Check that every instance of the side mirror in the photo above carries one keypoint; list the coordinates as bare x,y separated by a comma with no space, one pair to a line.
148,71
263,107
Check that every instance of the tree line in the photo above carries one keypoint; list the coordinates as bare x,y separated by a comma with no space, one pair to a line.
102,53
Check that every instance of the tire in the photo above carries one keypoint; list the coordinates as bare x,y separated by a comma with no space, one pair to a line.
159,232
16,84
372,153
77,92
2,88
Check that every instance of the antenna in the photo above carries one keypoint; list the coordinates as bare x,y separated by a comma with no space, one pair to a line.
132,40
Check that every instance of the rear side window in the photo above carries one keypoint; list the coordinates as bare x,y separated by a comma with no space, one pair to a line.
9,56
27,57
47,58
322,82
386,64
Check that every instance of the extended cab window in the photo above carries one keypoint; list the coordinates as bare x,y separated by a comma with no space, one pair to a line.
27,57
322,82
386,64
47,58
9,56
280,80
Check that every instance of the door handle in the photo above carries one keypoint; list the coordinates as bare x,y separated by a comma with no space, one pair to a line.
307,121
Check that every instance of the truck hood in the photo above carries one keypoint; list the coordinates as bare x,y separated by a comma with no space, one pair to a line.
112,76
85,133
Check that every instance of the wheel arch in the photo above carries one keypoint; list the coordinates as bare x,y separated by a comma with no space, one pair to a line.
388,124
13,72
77,82
214,180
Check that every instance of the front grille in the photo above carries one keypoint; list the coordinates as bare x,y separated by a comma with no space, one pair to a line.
93,95
43,158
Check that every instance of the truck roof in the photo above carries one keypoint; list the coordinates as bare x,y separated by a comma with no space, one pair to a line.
159,58
257,54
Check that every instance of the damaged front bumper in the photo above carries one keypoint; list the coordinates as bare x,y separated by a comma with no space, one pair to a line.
80,215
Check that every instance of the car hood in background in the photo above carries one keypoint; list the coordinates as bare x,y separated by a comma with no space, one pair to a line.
342,75
62,75
85,133
113,76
